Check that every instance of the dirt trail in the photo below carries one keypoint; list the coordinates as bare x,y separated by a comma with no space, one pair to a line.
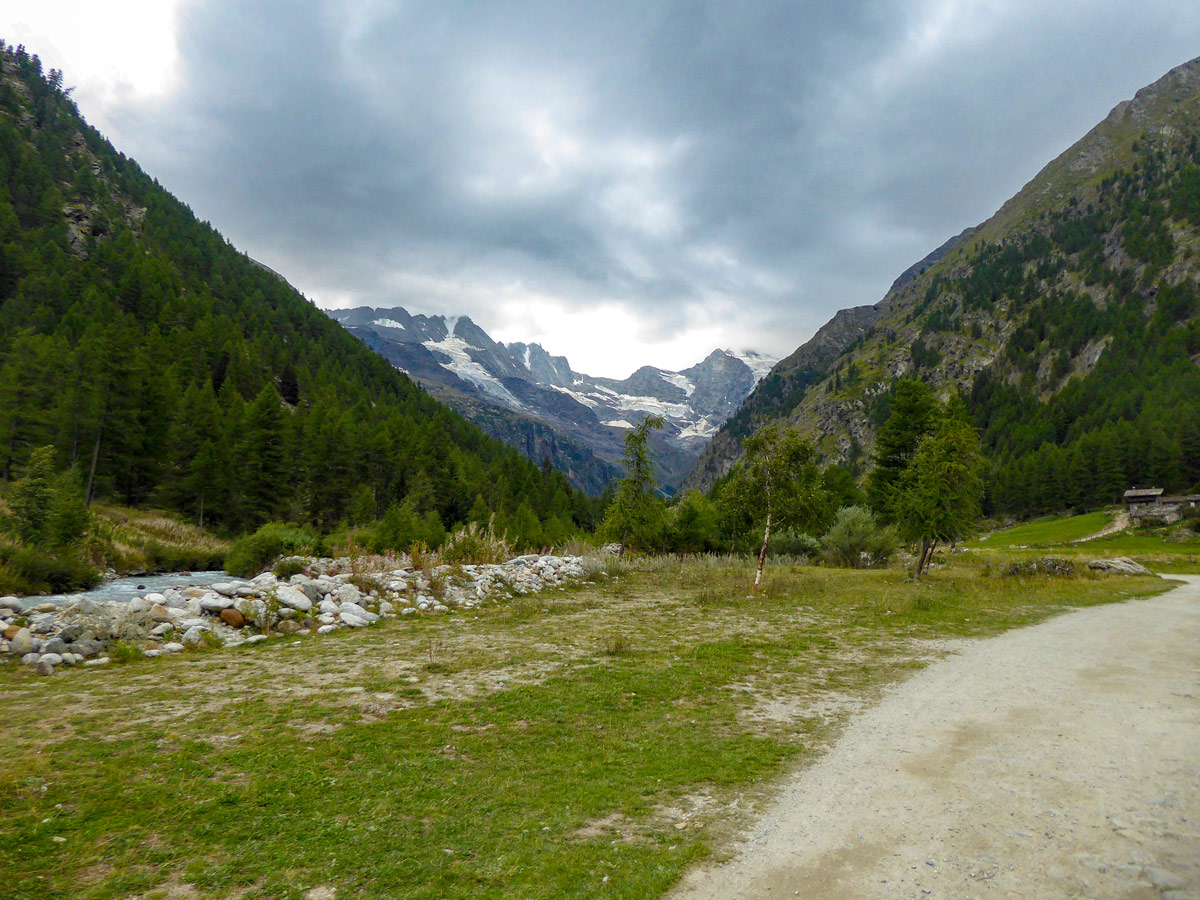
1061,760
1117,525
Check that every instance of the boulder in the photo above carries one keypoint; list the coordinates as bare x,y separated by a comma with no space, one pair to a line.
55,645
308,586
13,603
172,647
84,607
1121,565
233,618
353,609
20,643
140,605
155,597
193,637
354,621
193,593
160,613
73,633
226,588
87,647
288,626
212,602
292,598
55,659
325,629
328,606
11,632
347,593
45,667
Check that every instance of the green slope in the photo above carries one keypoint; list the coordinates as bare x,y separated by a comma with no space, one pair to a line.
169,368
1068,322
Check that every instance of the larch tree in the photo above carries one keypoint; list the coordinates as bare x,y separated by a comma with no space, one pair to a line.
635,514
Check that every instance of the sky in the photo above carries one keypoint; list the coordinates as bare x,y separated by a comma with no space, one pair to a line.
626,183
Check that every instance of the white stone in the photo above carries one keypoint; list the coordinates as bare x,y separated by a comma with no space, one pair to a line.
328,606
173,647
325,629
213,602
408,611
140,605
256,639
55,659
154,597
98,661
354,621
192,637
292,598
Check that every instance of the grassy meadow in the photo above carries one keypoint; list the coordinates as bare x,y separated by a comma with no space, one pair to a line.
1172,548
590,742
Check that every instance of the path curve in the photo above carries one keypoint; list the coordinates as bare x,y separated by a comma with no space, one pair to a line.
1060,760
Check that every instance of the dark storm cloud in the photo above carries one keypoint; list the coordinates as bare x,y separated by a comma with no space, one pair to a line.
760,163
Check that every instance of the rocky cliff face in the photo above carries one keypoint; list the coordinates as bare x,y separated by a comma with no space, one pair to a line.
1019,300
522,395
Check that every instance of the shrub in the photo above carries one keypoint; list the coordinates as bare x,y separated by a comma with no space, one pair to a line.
125,652
795,543
474,545
252,553
286,568
32,571
856,540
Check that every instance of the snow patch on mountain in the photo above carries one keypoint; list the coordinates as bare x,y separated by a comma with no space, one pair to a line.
759,364
388,323
680,381
462,365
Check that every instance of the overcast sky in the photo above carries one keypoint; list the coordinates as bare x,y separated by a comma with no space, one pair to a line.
626,183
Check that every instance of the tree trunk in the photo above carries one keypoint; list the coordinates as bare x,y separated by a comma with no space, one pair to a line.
92,471
762,554
202,512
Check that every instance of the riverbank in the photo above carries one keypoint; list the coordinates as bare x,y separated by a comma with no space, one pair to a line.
215,611
593,740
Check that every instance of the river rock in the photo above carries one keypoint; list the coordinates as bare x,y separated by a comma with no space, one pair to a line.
326,629
289,626
213,602
55,659
328,606
20,643
73,632
31,658
13,603
45,666
55,645
193,593
87,647
99,661
256,639
233,618
172,647
11,632
227,588
347,593
160,613
193,637
140,605
292,598
155,597
307,585
353,609
354,621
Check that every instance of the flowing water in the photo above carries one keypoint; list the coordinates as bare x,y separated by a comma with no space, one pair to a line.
126,588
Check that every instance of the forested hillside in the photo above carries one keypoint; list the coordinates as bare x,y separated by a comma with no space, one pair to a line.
1068,323
170,369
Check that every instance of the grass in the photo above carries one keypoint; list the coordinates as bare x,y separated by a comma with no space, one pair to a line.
1162,549
593,742
1045,532
140,540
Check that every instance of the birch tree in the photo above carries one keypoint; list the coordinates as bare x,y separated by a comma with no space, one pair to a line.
777,485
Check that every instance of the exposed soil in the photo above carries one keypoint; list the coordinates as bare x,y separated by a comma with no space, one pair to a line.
1061,760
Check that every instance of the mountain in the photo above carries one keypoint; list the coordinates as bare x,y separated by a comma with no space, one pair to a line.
536,402
167,368
1067,322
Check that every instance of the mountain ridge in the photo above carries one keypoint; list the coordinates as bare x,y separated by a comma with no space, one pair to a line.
526,386
1022,309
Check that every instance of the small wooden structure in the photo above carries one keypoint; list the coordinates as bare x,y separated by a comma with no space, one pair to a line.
1151,503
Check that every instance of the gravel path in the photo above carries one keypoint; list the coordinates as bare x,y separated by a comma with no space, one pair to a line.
1061,760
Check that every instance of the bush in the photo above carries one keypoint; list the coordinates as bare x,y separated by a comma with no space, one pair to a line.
474,545
286,568
856,540
32,571
795,543
253,553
